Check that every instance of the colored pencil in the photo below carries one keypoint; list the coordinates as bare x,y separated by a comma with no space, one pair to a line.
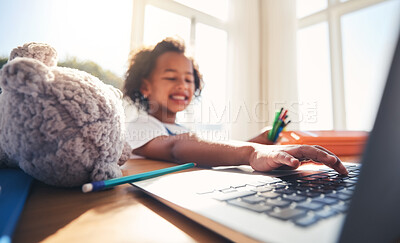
283,115
277,133
270,134
278,125
99,185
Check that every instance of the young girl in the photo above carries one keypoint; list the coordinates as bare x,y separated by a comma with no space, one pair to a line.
163,81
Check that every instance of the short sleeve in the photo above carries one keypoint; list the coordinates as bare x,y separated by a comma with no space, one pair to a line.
142,129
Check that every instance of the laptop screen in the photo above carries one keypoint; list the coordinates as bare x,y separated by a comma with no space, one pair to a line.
374,214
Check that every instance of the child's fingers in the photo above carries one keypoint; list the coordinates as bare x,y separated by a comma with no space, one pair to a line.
284,158
269,161
321,156
339,163
324,149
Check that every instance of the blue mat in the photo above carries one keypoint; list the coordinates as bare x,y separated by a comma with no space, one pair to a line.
15,185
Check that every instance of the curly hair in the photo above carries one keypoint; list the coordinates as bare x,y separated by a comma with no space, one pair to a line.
143,62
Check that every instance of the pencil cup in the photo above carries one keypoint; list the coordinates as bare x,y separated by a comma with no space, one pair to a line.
269,142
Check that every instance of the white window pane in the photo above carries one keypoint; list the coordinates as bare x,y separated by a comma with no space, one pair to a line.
159,24
314,79
211,55
216,8
369,37
307,7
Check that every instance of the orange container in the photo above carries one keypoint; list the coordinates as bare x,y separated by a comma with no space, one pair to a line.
339,142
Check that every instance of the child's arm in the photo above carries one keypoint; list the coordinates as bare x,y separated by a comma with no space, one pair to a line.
188,147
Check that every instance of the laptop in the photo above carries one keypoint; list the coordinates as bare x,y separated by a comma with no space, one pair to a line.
314,204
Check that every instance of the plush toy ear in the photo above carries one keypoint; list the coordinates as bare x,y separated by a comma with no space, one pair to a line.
116,92
39,51
25,75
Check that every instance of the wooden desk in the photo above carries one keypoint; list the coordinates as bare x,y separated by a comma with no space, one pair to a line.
122,214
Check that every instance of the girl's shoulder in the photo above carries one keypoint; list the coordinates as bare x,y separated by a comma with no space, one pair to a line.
175,129
144,122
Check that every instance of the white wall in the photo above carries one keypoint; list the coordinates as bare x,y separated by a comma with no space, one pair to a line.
244,69
278,62
263,63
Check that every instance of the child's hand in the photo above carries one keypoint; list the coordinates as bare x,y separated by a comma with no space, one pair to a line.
266,158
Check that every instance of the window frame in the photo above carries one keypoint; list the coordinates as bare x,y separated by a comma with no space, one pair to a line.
332,15
194,15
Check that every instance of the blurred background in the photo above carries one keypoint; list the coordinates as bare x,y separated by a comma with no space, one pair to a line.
326,61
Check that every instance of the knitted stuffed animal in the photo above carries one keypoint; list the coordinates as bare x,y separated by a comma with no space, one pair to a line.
62,126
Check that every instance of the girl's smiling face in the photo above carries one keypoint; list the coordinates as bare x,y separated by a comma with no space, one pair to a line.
170,87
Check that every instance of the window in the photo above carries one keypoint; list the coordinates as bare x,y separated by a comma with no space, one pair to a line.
95,30
314,75
214,8
159,23
195,22
366,59
213,100
307,7
344,52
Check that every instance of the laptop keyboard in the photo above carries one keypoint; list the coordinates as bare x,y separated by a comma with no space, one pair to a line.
304,198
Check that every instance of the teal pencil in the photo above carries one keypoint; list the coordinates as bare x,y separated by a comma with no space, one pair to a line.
99,185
